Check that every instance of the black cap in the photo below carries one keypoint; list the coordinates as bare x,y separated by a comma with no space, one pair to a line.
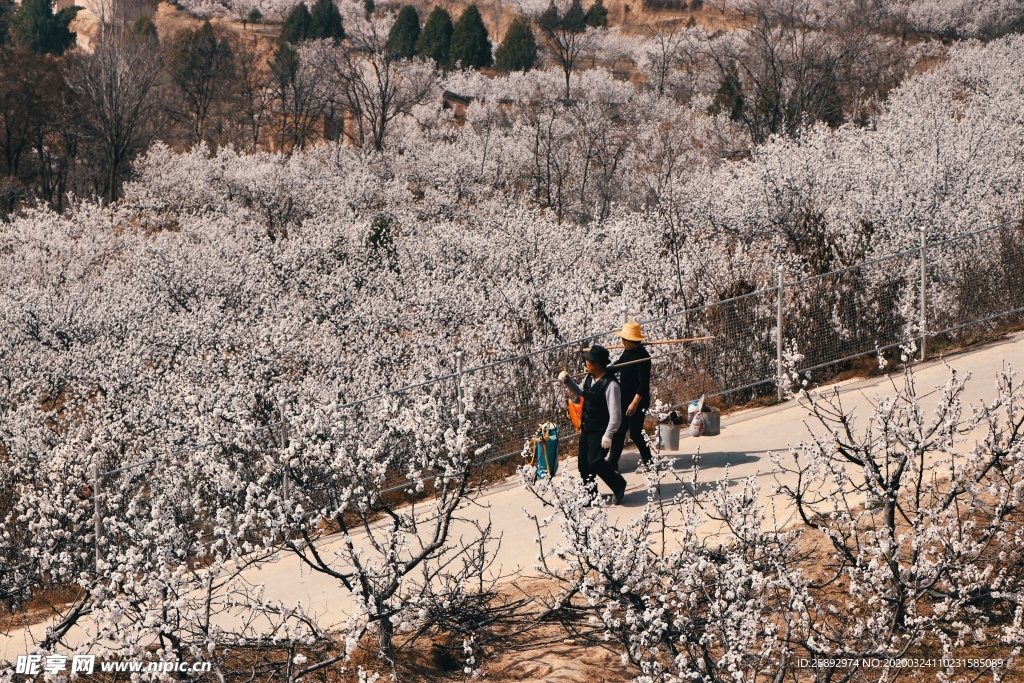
598,354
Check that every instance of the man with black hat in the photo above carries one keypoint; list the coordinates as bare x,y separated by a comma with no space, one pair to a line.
602,415
635,385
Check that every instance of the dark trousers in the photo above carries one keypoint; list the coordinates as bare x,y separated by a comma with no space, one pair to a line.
634,425
592,464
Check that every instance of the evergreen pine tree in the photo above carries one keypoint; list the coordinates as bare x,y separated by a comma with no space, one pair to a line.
597,15
145,29
36,27
404,34
297,25
284,66
6,16
435,42
470,45
518,52
325,21
575,19
550,21
729,98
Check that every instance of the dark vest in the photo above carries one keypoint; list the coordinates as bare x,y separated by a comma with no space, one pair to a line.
634,379
595,404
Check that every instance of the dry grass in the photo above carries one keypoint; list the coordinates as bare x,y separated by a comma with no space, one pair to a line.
633,17
541,653
43,606
171,20
545,653
816,562
945,345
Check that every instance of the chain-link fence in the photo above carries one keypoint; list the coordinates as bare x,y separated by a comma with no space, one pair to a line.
944,293
835,317
974,283
969,285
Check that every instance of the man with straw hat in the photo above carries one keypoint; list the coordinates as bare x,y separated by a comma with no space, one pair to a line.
602,406
635,386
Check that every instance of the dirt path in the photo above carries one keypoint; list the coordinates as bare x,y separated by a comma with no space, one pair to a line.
746,439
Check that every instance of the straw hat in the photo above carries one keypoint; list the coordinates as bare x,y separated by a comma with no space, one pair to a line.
631,331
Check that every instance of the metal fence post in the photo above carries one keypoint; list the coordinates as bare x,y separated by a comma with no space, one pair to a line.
778,333
96,508
284,447
460,404
924,289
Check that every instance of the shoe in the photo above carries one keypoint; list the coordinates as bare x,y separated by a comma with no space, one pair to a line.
618,496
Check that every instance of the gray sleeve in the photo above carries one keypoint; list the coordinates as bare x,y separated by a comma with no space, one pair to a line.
613,395
573,387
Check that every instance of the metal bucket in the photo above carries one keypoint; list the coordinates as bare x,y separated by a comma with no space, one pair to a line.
669,435
712,421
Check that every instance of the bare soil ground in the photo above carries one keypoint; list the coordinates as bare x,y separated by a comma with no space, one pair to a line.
170,19
634,17
568,662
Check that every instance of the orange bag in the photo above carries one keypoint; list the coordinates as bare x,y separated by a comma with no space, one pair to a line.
575,412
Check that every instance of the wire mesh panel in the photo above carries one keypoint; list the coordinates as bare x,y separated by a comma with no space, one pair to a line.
509,400
974,282
739,358
837,316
